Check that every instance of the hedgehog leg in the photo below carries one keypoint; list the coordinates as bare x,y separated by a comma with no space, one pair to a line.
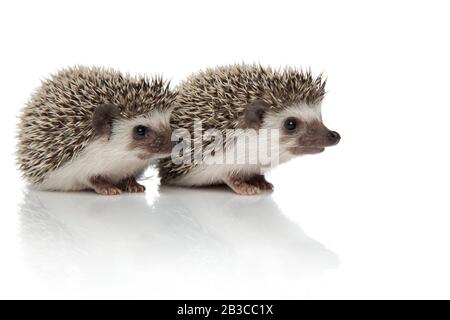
103,186
260,181
240,186
130,184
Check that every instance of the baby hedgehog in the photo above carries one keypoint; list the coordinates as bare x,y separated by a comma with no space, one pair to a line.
247,97
94,128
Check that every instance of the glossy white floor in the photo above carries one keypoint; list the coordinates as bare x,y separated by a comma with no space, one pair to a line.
369,218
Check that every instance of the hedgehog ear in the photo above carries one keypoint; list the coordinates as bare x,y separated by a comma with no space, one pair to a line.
254,113
103,117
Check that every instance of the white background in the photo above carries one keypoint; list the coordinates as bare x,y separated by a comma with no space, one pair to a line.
368,218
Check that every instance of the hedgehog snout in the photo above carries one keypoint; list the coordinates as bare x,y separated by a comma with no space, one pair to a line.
163,142
318,135
333,137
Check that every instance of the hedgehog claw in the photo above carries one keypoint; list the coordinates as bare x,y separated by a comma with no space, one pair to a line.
260,181
108,191
131,185
135,188
103,186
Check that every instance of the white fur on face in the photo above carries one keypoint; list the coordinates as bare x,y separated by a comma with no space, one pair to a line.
304,112
157,121
275,120
112,159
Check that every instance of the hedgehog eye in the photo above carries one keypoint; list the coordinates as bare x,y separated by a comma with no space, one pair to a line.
140,131
291,124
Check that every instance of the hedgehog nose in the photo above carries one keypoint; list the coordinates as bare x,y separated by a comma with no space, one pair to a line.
333,137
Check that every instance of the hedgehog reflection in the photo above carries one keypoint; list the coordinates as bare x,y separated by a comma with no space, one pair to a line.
183,234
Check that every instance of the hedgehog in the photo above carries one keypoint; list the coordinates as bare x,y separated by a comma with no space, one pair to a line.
241,98
92,128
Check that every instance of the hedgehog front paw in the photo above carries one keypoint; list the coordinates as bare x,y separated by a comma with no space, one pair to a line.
260,181
135,188
107,190
103,186
131,185
242,187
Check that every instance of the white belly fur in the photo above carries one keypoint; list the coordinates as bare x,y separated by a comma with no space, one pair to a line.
99,158
210,173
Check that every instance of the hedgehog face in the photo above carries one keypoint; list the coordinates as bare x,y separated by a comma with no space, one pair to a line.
146,137
301,129
151,137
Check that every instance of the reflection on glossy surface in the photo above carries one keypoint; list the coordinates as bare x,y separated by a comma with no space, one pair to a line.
212,239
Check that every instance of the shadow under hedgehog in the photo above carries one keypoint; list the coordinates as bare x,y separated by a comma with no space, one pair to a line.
94,128
247,97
